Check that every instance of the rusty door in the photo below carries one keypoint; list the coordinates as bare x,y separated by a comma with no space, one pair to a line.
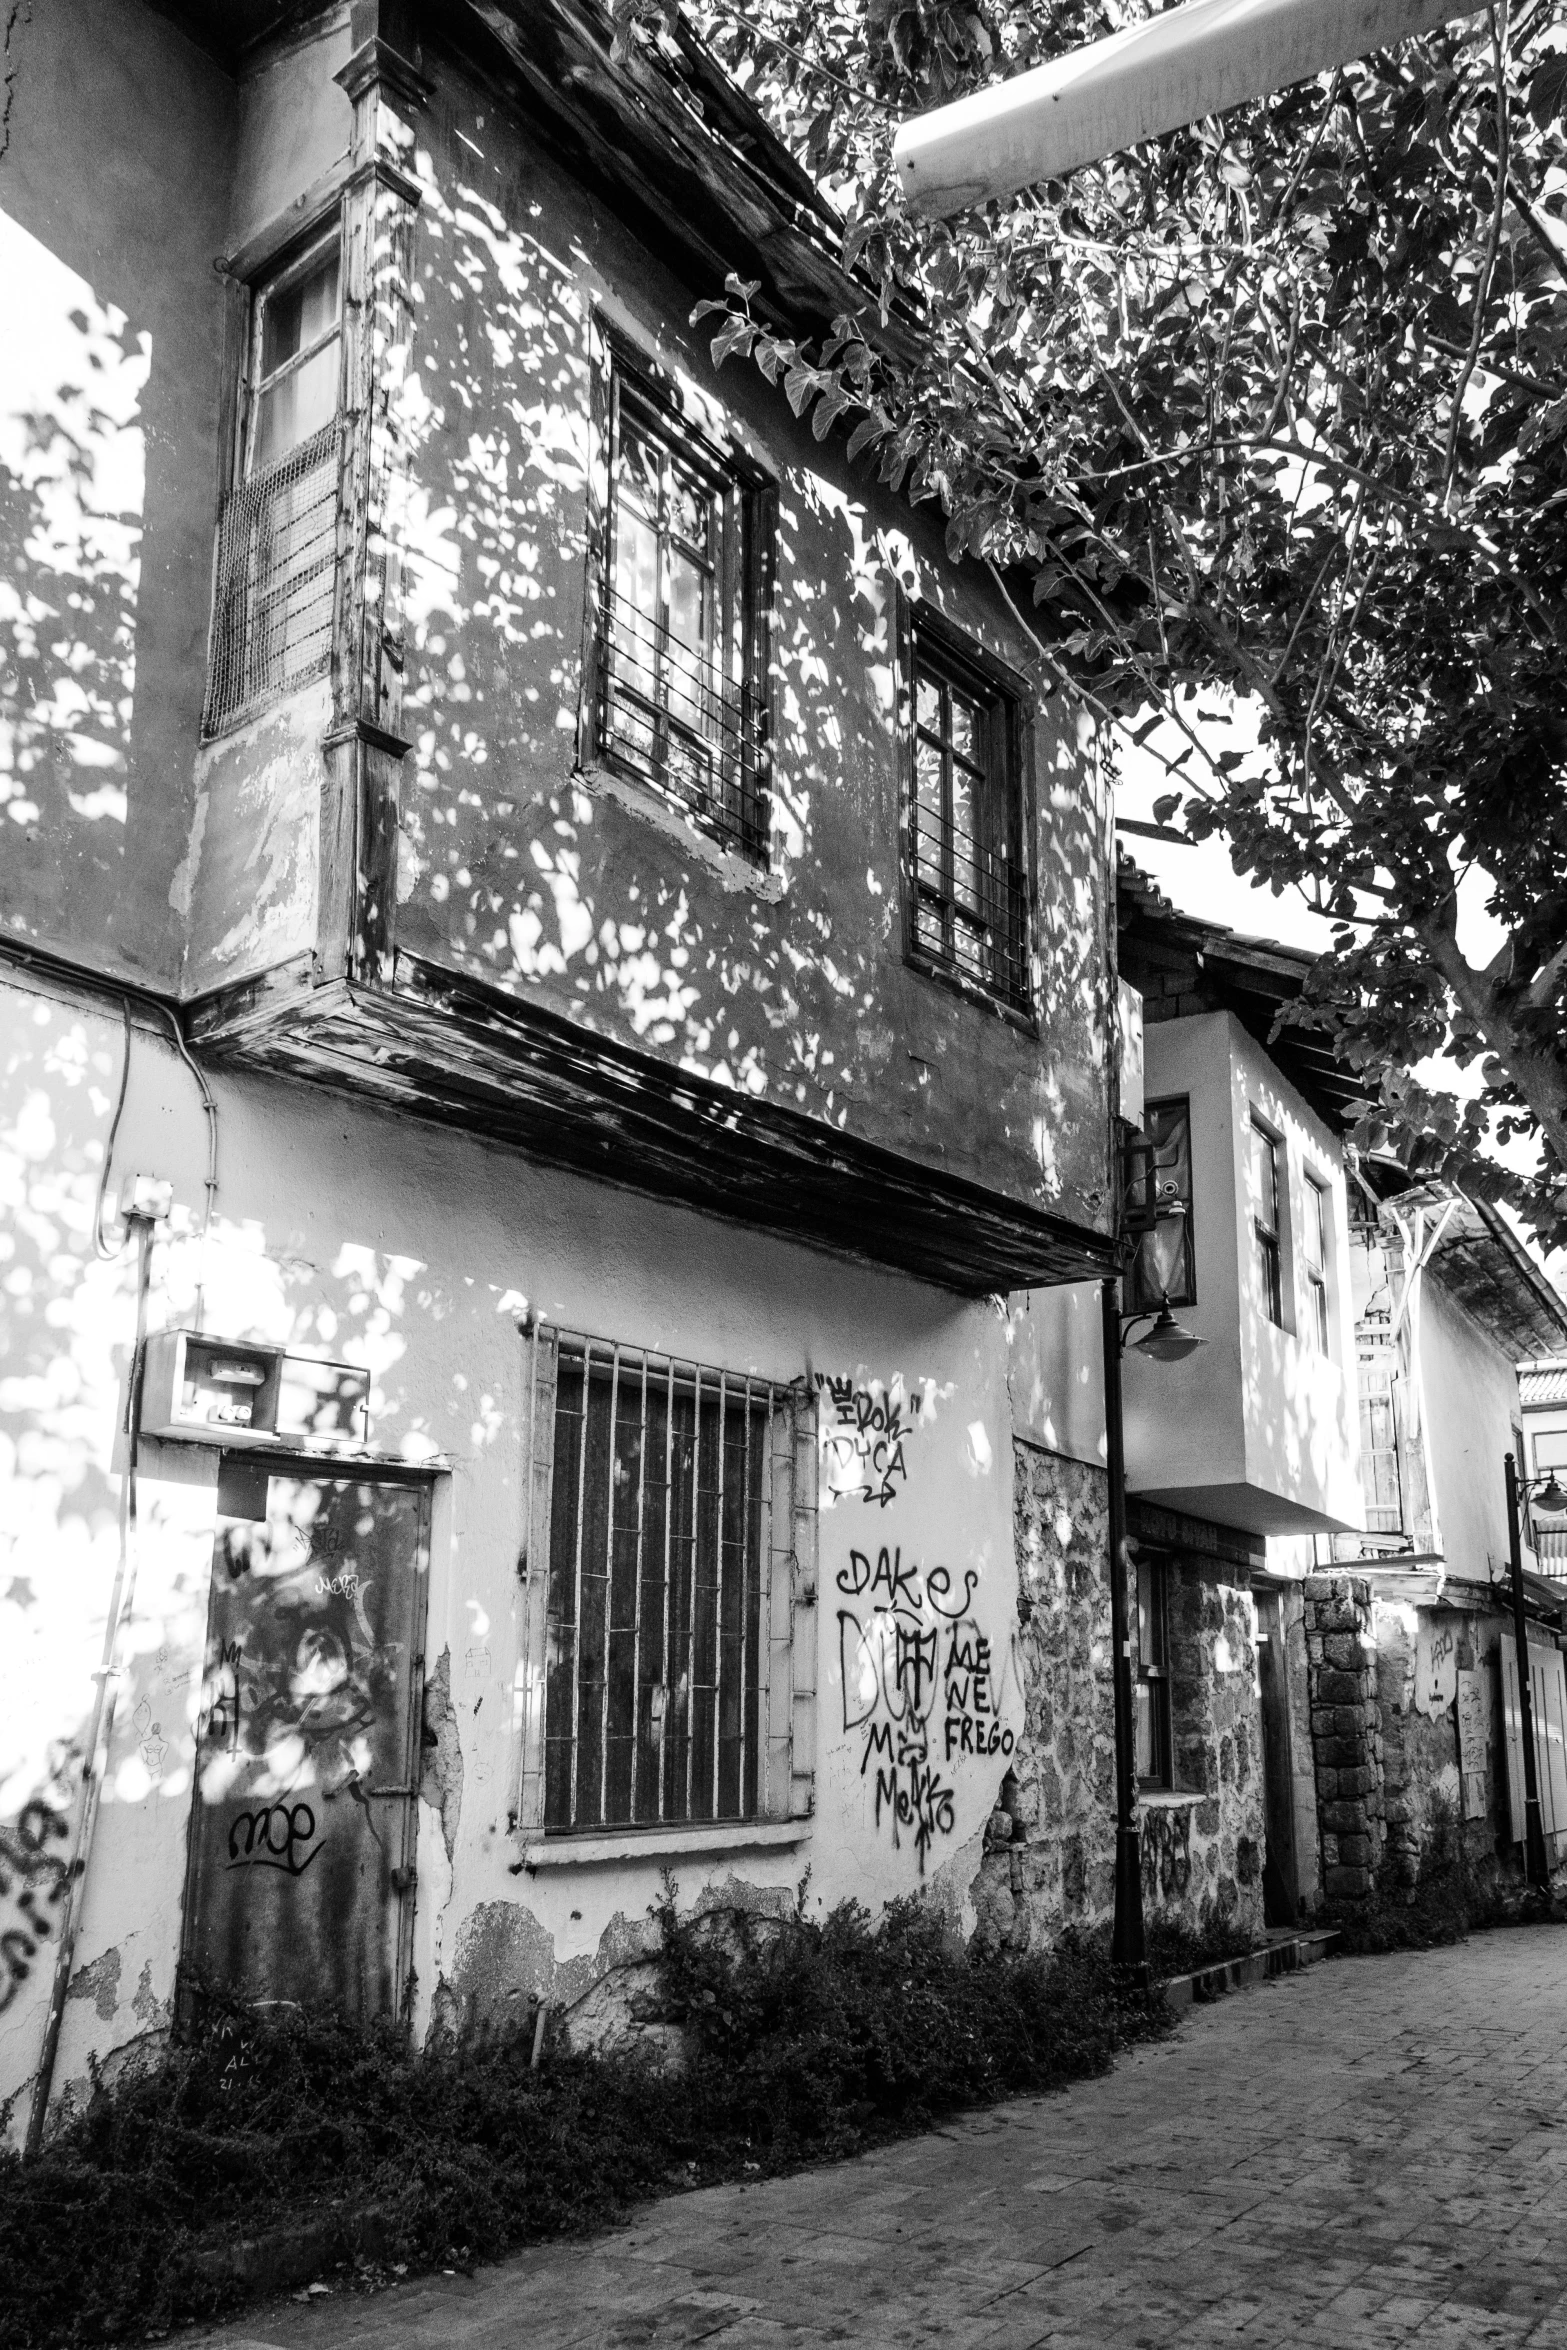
300,1878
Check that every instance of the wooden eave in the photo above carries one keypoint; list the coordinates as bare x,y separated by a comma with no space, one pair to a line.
437,1046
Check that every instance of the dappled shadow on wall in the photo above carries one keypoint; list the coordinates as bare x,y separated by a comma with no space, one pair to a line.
71,506
781,983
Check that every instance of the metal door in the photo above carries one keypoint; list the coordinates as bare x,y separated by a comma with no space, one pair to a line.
300,1881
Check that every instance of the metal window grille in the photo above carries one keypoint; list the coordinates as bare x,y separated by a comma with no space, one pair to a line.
970,910
667,712
274,581
662,1626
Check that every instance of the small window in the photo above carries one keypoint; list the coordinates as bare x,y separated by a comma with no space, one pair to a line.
1153,1675
661,1619
276,570
680,650
1315,1252
1265,1221
968,880
296,365
1163,1271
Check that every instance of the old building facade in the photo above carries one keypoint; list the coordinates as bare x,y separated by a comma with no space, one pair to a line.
557,964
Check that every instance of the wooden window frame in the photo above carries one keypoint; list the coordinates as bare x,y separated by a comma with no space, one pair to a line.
1268,1240
276,279
628,385
929,641
1319,1321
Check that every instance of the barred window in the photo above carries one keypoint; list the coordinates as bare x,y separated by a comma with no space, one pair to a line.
680,650
275,573
670,1691
968,881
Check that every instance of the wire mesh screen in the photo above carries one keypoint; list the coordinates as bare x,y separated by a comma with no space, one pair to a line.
659,1590
276,569
666,709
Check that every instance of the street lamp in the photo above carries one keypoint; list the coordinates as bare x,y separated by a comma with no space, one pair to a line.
1173,68
1167,1342
1550,1496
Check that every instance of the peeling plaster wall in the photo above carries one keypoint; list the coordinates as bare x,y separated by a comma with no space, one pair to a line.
114,193
1432,1786
347,1232
584,894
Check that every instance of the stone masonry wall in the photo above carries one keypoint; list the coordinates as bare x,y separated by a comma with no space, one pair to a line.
1049,1857
1346,1733
1203,1844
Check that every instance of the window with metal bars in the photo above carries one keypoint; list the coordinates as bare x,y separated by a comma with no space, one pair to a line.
968,878
679,656
275,572
671,1561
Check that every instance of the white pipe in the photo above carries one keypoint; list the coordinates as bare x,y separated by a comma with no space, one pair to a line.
1153,77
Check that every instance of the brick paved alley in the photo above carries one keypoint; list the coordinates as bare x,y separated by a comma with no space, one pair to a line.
1370,2153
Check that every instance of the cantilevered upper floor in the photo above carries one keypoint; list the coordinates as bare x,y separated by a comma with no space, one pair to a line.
448,684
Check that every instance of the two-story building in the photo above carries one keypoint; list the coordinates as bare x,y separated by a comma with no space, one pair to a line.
555,960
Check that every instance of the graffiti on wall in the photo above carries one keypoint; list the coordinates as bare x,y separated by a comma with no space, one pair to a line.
1167,1851
34,1875
866,1432
919,1689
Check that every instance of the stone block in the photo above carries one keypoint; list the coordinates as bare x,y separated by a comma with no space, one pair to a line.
1344,1649
1343,1754
1344,1818
1354,1851
1335,1687
1346,1884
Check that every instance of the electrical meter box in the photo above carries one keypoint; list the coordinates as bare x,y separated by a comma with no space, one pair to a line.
198,1390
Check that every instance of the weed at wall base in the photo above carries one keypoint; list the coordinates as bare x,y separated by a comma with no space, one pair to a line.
804,2040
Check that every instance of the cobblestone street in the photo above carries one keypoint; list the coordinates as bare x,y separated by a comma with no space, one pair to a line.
1370,2153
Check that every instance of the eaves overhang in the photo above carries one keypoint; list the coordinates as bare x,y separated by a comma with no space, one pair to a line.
439,1047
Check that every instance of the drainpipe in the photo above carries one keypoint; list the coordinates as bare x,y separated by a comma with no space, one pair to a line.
1127,1946
101,1727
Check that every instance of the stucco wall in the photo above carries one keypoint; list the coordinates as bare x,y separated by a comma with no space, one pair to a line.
346,1232
584,893
1258,1429
1469,1403
114,194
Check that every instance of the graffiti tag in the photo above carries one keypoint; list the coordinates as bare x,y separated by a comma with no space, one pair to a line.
273,1838
917,1675
864,1439
34,1877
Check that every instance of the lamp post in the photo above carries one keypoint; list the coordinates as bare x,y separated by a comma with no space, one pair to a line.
1166,1342
1536,1867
